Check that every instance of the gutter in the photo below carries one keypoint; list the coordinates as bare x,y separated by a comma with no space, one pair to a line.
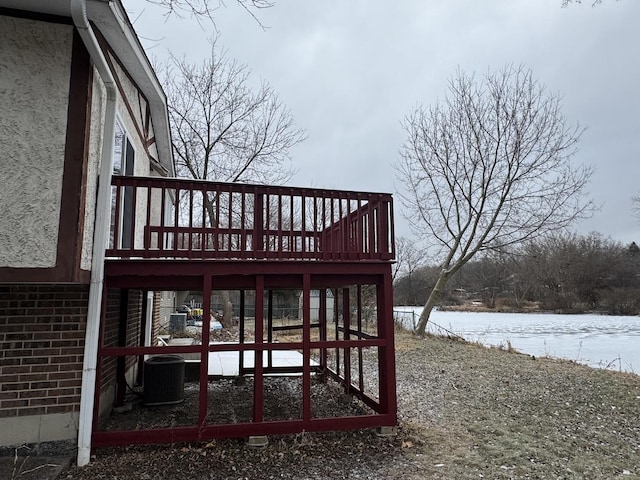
100,235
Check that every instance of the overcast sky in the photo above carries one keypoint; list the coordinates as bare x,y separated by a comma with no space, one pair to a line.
350,70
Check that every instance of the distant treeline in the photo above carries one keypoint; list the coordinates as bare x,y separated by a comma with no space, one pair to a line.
564,273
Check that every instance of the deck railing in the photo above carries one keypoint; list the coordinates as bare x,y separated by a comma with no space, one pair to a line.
180,218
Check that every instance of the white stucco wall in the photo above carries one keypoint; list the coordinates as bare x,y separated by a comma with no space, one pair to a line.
35,60
98,106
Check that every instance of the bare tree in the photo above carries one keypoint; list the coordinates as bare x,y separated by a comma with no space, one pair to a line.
489,167
635,206
489,276
206,8
409,257
223,130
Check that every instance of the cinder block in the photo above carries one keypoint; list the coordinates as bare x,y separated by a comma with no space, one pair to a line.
387,431
258,441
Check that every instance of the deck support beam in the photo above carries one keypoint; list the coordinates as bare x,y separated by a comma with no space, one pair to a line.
333,347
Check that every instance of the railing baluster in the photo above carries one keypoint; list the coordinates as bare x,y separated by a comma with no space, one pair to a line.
358,228
132,221
162,241
243,226
204,240
116,217
291,241
315,223
258,219
343,229
146,243
176,221
372,226
333,230
303,226
280,229
190,231
267,224
325,241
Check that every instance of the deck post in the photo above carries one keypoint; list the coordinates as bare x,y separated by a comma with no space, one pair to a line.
306,347
346,323
336,336
258,379
123,320
270,327
360,359
322,318
386,355
204,351
241,326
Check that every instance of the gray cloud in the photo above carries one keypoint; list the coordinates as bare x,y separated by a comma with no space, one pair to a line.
350,70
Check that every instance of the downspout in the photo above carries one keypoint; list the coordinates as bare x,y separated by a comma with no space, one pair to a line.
100,234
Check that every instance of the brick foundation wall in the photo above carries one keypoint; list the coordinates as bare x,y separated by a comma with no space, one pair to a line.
42,331
110,339
134,333
155,328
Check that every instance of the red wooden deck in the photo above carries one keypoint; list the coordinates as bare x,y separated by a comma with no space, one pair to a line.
177,235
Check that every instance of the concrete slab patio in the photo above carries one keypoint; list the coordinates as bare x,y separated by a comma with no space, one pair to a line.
227,364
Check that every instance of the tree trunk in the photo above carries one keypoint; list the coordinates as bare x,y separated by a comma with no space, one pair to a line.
434,298
227,305
227,309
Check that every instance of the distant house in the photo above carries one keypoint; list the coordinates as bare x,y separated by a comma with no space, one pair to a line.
94,227
315,305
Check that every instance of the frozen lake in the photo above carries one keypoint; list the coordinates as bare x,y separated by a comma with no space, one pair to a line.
596,340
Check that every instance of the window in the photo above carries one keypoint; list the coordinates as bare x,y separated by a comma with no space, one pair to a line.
123,161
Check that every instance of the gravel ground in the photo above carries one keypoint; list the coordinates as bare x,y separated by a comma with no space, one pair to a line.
465,411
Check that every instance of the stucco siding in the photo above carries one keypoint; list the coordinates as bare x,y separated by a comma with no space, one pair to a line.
98,106
35,61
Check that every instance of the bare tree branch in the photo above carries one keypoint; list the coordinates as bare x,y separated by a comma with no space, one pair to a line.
409,257
565,3
224,130
636,206
488,168
200,9
206,8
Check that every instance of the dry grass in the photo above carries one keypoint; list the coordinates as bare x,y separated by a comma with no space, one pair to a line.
501,414
465,411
